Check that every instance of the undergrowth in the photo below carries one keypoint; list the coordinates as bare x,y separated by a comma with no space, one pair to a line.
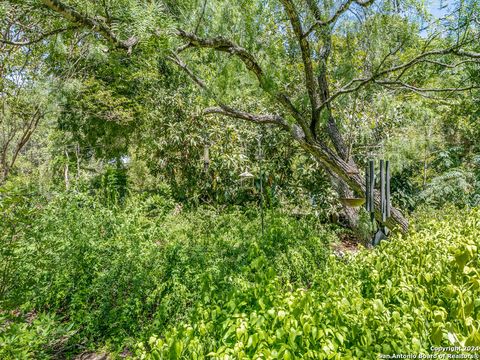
108,276
411,295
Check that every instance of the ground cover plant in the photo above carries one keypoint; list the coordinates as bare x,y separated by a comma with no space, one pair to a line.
207,284
408,296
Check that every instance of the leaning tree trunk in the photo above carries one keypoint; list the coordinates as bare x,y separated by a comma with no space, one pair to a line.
349,173
341,148
350,214
343,189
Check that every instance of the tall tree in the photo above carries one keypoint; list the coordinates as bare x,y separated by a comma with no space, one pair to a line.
291,64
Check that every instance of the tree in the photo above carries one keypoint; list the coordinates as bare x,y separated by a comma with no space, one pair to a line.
320,52
24,99
388,70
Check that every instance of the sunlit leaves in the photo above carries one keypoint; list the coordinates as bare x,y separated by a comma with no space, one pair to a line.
410,294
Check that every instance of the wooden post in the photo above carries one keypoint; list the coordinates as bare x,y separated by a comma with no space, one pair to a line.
367,190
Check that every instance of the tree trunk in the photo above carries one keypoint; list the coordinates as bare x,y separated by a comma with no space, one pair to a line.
349,173
341,148
343,189
351,214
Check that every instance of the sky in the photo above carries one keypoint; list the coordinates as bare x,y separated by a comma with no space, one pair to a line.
438,8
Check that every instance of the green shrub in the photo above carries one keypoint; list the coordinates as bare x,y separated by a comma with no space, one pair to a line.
453,187
210,284
119,273
17,211
39,336
406,296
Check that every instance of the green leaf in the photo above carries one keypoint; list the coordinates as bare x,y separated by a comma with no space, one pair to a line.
437,334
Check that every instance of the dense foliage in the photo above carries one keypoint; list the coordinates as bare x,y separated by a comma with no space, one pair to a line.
408,296
111,274
182,179
83,275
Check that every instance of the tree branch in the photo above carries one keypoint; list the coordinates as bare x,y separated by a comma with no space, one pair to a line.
306,56
40,38
259,119
404,85
451,66
422,58
469,54
223,109
343,8
222,44
225,45
175,59
200,19
73,15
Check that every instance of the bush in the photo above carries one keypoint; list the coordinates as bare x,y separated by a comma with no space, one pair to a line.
33,337
17,211
209,283
453,187
407,296
119,273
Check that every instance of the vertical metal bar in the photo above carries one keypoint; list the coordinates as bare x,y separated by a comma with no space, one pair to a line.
372,188
367,189
382,191
260,156
387,185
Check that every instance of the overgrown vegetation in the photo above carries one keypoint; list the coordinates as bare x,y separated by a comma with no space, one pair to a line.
111,274
408,296
182,179
154,283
